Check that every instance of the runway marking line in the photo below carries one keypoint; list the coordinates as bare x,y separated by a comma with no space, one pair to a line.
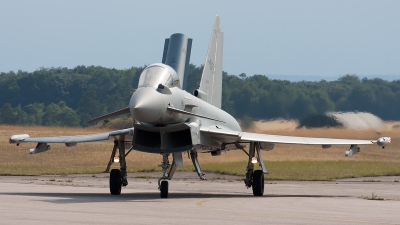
201,204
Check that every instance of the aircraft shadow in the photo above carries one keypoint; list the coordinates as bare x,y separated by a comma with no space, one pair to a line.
68,198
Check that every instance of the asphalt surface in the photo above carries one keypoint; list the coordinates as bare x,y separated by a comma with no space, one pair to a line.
85,199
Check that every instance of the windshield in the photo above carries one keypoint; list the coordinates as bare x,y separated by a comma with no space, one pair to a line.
154,75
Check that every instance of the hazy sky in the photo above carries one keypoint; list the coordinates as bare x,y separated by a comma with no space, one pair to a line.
325,38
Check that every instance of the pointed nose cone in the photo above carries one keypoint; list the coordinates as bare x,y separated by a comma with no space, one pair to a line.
147,105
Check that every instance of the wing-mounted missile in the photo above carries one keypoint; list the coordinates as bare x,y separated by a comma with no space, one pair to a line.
18,138
40,147
354,149
383,141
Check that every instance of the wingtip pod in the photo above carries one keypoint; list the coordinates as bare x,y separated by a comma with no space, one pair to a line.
18,138
383,141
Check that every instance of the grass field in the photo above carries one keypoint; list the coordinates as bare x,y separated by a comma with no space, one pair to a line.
288,162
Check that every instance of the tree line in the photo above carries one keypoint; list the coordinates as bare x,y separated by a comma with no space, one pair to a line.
71,97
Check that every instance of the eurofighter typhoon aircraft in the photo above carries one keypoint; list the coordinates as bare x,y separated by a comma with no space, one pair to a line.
171,121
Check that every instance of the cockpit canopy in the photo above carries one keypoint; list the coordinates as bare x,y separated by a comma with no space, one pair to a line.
159,73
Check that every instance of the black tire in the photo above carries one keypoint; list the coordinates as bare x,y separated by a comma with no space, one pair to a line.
164,189
258,183
115,182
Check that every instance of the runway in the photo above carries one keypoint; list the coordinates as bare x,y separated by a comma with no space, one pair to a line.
85,199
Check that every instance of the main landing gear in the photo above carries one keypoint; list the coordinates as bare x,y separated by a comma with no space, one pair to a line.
118,177
255,178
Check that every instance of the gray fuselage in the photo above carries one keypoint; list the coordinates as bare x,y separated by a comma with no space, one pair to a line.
149,105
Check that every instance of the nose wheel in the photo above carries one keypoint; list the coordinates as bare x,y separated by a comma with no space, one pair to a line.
162,183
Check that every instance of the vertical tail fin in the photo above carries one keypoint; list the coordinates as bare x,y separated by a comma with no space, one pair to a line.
211,79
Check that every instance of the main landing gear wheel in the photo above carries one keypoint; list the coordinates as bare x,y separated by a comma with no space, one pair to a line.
115,182
258,183
164,189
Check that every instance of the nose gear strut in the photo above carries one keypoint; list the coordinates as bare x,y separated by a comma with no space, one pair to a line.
164,165
162,183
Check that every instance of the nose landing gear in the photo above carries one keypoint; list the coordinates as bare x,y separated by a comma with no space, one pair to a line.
162,183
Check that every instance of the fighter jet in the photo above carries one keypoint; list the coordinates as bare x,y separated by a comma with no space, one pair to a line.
171,121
